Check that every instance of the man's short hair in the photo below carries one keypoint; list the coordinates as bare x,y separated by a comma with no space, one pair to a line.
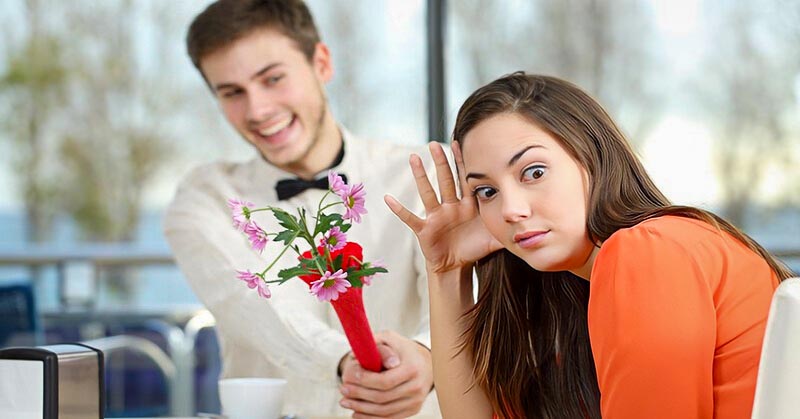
226,21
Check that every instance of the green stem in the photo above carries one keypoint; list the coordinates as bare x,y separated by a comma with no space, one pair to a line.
330,205
260,209
264,272
319,206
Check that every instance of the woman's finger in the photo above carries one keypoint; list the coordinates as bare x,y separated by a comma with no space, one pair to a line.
426,192
444,174
462,173
409,218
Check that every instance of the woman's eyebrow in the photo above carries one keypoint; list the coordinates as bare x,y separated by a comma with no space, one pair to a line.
522,152
511,162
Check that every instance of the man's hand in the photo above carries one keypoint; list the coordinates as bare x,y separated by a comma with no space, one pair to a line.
397,392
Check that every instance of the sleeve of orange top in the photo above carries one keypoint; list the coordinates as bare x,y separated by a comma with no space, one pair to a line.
652,328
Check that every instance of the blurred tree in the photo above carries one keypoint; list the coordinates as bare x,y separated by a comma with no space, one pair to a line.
790,12
33,90
116,142
748,90
86,117
88,113
351,49
604,46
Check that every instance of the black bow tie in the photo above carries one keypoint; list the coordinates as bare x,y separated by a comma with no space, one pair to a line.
287,188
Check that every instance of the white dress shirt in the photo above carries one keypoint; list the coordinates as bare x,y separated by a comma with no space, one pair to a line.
293,335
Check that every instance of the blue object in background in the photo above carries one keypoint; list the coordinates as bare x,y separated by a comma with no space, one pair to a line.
19,320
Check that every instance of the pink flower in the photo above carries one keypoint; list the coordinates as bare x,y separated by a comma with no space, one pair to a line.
257,236
240,211
252,280
335,183
263,290
334,239
330,285
353,198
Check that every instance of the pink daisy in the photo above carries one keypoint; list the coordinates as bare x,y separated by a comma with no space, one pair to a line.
257,236
263,290
334,239
252,280
336,183
240,211
330,285
354,202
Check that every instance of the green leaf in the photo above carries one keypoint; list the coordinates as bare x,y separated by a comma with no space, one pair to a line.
360,273
307,265
315,262
286,236
286,220
337,263
325,221
354,279
292,272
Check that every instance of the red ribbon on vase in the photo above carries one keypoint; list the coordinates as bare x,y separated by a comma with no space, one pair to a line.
349,307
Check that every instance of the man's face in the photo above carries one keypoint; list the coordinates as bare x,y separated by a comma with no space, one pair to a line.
271,94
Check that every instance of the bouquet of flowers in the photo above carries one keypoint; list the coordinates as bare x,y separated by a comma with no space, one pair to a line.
332,267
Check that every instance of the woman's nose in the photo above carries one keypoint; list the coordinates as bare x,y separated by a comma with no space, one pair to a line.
515,206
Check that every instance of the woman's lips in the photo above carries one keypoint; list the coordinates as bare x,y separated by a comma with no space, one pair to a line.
530,239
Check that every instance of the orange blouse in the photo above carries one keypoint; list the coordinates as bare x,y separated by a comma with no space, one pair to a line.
677,312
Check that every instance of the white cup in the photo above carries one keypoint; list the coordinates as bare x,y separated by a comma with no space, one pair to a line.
252,398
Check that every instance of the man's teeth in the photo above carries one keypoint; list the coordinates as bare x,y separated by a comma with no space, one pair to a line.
275,128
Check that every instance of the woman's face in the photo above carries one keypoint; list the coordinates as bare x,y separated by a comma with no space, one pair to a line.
531,193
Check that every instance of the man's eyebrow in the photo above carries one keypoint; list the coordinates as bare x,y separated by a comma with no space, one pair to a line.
264,70
511,162
258,73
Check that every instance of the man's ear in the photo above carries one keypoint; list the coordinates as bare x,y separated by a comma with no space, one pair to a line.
322,62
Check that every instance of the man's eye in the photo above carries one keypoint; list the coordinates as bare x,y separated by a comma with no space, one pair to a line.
231,93
274,79
484,192
534,172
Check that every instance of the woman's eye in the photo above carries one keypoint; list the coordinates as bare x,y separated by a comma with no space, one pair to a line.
533,172
484,192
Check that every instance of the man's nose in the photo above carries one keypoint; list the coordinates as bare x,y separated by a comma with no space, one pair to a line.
260,105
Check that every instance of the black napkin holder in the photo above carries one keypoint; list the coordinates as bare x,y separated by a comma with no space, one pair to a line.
72,384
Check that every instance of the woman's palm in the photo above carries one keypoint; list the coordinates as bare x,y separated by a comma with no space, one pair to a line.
452,235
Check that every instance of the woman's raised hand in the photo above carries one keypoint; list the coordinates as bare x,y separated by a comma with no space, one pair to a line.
452,235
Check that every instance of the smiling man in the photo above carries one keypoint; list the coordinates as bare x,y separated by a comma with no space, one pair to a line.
267,68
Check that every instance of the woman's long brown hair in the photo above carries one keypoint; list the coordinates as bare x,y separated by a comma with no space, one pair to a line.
528,333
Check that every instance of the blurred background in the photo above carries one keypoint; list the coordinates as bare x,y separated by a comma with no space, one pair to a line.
101,114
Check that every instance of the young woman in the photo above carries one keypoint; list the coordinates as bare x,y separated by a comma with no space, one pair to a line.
597,297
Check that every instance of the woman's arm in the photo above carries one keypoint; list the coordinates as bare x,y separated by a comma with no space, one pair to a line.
451,296
452,237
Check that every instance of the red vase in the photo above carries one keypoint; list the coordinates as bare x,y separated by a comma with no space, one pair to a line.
349,308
